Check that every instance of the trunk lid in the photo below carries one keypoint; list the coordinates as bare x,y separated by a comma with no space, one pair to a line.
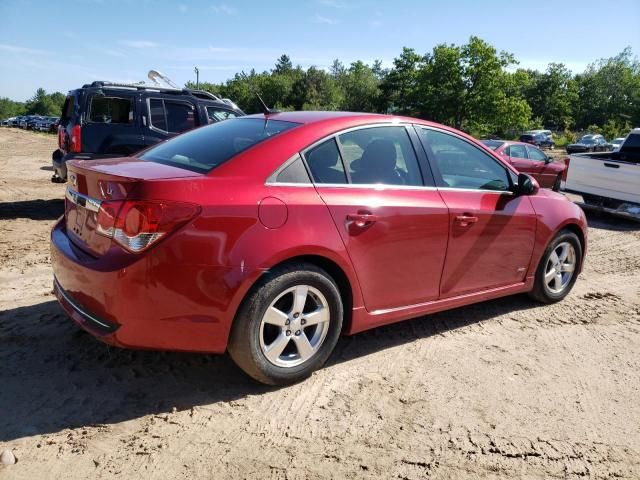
92,182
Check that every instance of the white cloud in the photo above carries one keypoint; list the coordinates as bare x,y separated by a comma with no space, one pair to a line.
139,43
326,20
224,8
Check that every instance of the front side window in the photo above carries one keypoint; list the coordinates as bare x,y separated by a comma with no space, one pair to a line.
205,148
325,163
537,155
110,110
517,151
215,114
380,155
462,165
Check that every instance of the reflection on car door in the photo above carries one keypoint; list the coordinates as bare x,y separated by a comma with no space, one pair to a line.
491,231
394,228
544,172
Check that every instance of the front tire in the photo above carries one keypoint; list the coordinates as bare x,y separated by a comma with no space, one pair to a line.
288,325
558,268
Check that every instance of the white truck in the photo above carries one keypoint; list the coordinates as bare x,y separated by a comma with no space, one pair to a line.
608,181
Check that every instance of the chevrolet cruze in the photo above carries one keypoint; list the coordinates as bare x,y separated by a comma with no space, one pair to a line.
268,236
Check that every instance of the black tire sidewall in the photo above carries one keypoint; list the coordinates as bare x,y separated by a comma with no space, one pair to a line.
247,326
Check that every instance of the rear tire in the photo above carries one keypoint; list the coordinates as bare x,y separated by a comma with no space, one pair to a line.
288,325
558,268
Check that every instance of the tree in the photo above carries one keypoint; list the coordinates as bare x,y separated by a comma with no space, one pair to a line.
360,88
399,88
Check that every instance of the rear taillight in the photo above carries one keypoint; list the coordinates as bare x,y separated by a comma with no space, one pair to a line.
75,145
138,224
564,173
61,137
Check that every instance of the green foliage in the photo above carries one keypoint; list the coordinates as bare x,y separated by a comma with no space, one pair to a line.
472,87
10,108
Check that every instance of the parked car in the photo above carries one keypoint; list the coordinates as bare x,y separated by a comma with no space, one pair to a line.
531,160
590,143
34,121
14,122
609,181
103,119
616,143
47,124
270,235
538,139
6,122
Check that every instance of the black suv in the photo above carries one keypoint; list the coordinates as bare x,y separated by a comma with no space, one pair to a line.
104,119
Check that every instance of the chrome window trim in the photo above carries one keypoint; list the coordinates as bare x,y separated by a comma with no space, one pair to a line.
81,200
382,187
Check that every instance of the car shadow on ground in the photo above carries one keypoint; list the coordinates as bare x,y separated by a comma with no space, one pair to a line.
32,209
56,376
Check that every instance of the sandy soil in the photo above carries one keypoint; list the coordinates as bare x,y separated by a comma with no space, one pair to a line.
502,389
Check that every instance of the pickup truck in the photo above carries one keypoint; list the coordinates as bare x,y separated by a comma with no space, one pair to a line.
608,181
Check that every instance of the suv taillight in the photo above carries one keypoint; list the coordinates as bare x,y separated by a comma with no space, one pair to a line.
75,145
137,224
60,136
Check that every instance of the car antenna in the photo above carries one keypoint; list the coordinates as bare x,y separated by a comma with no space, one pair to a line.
265,110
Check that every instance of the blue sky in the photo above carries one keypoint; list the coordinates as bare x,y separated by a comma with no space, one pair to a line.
61,45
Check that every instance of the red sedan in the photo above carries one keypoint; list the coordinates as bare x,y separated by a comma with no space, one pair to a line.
269,236
529,159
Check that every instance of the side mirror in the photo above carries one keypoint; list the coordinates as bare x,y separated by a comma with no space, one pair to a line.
548,159
526,185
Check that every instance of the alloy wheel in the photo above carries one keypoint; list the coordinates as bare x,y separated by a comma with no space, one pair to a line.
560,268
294,326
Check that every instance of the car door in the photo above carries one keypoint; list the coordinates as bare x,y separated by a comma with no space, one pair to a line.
545,174
491,230
393,222
519,158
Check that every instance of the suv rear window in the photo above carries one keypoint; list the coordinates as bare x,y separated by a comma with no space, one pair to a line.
203,149
110,110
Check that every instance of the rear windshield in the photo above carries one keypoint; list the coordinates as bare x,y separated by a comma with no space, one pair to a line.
205,148
492,144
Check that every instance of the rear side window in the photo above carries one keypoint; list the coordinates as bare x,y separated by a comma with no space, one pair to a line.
382,155
110,110
204,149
325,163
462,165
171,116
67,109
294,173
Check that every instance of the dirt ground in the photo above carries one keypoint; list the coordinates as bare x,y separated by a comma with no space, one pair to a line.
502,389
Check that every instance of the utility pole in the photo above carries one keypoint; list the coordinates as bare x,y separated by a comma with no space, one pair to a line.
195,69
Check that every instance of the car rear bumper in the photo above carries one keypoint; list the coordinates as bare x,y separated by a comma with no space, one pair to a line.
151,301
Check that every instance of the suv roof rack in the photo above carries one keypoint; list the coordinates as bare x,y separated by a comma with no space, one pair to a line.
143,86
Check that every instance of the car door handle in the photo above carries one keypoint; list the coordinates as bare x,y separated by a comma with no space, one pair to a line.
465,220
357,222
611,165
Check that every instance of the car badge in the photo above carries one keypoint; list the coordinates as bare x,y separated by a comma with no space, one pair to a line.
109,191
